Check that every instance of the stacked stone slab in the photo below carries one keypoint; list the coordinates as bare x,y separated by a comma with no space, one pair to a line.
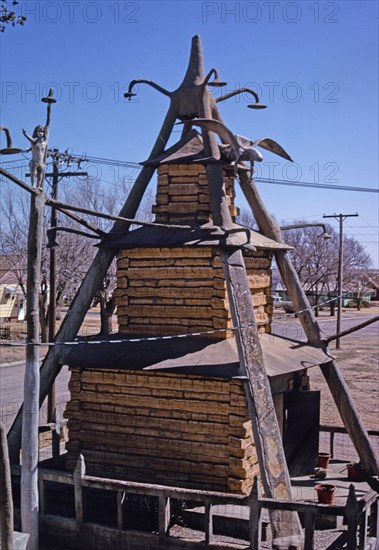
151,426
179,430
182,290
183,195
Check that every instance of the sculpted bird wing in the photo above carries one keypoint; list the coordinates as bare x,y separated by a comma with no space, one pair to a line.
273,146
221,130
244,141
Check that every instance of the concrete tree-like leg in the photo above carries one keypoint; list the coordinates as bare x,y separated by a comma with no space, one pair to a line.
330,370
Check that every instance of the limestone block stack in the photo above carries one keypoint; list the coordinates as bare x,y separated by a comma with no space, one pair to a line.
157,427
183,290
174,429
182,194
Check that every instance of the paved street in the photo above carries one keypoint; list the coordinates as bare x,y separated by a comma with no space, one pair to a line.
289,326
12,389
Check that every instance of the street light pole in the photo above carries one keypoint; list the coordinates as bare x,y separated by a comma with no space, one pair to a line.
323,235
340,218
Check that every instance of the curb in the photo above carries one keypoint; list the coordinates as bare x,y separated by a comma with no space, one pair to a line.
13,364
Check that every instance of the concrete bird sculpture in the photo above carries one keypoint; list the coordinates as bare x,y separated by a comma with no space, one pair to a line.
235,147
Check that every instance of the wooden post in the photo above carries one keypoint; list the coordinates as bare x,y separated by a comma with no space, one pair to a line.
55,435
255,517
309,528
374,520
351,515
42,496
120,501
30,419
341,218
164,515
363,525
6,501
267,438
208,521
79,473
330,370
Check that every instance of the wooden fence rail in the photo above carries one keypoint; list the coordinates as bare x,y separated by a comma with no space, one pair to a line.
333,430
361,515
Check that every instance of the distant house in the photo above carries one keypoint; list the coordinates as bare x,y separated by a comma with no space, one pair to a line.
373,284
12,298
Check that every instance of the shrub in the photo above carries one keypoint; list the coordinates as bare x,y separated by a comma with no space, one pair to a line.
288,307
354,303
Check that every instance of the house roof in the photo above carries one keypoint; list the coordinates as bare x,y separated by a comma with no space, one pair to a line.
9,278
9,266
191,355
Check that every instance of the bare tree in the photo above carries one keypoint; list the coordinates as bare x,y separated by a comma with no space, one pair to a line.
14,212
316,260
74,252
246,218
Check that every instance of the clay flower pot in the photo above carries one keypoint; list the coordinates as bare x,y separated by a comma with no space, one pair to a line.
325,492
353,473
323,460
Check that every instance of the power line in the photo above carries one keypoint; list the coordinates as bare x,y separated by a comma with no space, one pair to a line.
368,223
318,185
136,166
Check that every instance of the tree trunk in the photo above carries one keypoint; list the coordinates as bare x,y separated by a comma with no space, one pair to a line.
332,305
43,318
107,307
316,303
6,501
30,419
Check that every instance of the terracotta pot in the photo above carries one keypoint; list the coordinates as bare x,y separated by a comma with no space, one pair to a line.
325,492
323,460
353,473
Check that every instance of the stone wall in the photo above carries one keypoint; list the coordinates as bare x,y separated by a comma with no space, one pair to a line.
182,290
161,428
183,195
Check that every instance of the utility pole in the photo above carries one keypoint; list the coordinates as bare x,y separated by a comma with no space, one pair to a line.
30,420
55,175
51,412
340,218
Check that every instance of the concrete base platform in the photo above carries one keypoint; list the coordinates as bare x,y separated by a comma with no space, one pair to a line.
20,540
303,487
233,521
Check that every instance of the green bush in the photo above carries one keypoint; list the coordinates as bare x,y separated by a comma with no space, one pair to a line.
288,307
354,303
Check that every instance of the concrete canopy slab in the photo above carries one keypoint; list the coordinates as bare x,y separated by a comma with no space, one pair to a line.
190,355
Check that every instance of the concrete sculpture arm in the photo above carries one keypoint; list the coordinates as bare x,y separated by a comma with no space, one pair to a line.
129,94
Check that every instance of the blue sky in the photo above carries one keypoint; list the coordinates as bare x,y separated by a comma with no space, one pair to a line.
314,64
